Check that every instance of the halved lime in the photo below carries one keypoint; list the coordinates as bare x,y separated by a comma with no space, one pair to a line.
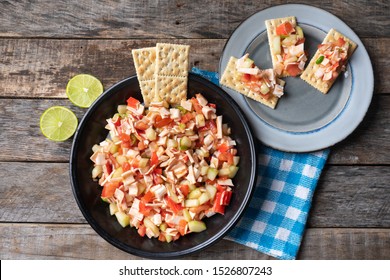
58,123
82,90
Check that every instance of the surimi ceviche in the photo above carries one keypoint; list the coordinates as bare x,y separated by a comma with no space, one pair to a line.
165,169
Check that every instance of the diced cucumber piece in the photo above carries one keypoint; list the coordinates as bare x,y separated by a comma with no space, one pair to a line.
233,171
204,198
211,190
185,143
224,172
121,159
151,134
123,219
163,226
196,226
114,149
149,224
199,120
299,31
117,173
171,143
212,173
191,202
195,193
97,171
187,215
96,148
105,199
143,162
203,170
122,109
236,160
168,238
276,45
248,63
264,89
113,208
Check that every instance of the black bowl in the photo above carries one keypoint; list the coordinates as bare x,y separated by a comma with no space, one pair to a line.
87,192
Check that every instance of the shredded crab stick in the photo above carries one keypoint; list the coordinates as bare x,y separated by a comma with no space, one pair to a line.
332,60
263,82
288,46
164,169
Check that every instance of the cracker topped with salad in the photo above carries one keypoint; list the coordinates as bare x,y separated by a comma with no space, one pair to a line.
243,76
287,46
329,61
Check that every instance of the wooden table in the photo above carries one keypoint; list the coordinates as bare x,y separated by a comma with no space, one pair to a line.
44,43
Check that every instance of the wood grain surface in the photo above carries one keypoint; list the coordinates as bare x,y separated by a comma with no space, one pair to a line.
44,43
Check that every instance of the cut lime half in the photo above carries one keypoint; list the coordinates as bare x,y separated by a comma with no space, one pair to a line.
58,123
82,90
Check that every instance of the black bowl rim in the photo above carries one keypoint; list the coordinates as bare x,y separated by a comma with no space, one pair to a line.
164,255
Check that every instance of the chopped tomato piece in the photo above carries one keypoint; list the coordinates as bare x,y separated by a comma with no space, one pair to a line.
246,78
133,103
124,137
182,227
126,166
293,69
141,125
200,208
175,207
157,179
143,209
157,171
226,157
340,42
148,197
160,122
109,189
161,237
223,147
142,230
141,145
187,117
117,122
154,159
125,145
185,189
218,207
212,105
284,29
108,167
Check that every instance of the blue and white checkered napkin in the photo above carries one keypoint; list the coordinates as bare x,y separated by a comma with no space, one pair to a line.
275,220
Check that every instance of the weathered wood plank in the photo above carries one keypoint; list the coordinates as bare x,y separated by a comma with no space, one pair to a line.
42,241
42,67
360,148
164,19
345,197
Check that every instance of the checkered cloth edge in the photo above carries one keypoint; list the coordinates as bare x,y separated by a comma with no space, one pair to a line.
275,219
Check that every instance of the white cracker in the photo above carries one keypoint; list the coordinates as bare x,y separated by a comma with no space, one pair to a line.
232,79
309,74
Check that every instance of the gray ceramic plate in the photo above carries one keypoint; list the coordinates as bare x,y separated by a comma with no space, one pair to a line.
304,119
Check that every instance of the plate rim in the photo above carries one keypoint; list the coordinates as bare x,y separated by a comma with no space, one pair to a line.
291,142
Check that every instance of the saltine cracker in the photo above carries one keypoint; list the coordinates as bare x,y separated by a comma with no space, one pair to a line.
232,79
145,67
309,74
271,25
171,76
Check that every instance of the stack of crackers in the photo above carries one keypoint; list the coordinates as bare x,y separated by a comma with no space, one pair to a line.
162,72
